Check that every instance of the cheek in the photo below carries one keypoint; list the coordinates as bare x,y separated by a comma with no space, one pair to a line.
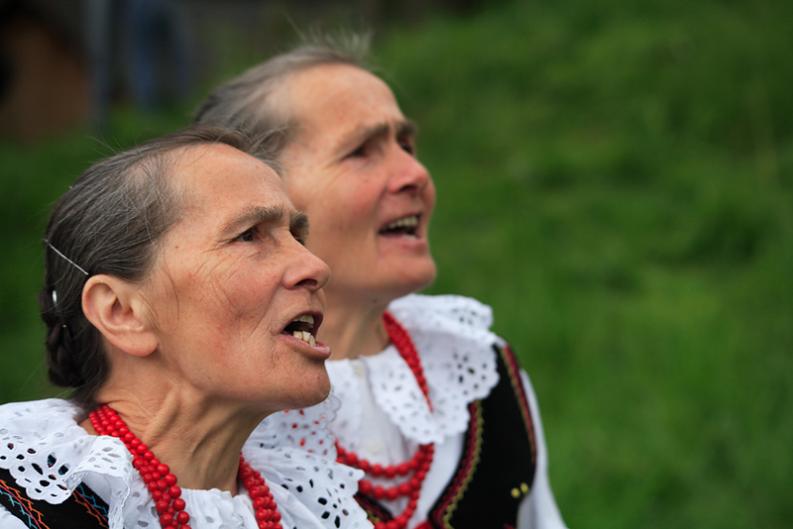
430,195
235,302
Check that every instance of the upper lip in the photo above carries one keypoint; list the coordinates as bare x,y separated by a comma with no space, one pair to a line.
316,314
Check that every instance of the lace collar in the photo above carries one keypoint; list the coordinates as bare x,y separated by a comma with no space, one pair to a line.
452,336
49,455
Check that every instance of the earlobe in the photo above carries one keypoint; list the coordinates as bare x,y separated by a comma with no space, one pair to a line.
115,308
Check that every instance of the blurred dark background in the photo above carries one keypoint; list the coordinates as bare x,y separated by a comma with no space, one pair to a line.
615,178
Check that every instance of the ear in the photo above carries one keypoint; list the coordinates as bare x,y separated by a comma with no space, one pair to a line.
116,308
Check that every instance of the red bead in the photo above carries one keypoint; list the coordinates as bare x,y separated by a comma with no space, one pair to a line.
162,484
421,460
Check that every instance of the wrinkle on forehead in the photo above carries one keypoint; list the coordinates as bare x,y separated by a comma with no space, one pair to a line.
306,91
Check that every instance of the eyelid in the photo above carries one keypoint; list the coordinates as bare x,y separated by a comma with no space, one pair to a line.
240,235
362,146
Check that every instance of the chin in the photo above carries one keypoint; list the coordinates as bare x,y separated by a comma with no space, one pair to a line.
315,391
415,279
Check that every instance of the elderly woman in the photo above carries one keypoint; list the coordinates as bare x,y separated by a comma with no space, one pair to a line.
182,309
434,408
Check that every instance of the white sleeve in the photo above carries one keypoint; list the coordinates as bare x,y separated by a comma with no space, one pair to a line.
538,510
9,521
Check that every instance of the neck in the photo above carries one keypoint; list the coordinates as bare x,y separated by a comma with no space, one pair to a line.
353,329
199,440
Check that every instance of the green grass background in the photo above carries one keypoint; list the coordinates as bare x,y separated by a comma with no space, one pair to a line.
615,180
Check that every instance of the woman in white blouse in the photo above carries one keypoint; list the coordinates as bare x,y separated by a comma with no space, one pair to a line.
182,309
434,408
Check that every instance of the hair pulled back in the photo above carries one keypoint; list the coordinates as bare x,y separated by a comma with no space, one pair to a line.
108,222
242,103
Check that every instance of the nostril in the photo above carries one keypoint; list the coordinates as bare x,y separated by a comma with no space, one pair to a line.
309,282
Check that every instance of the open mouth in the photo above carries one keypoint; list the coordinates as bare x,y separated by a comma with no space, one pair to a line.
304,327
402,226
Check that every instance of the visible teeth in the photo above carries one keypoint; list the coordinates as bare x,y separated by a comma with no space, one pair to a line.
306,318
306,337
404,222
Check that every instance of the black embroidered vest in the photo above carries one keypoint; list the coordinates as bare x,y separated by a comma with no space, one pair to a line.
499,460
84,509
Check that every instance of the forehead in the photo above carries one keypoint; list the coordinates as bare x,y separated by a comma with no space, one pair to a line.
214,179
332,98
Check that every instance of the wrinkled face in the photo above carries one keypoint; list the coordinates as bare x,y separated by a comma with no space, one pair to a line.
234,295
352,168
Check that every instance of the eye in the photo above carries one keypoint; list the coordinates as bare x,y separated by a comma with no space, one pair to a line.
408,145
359,152
300,236
248,235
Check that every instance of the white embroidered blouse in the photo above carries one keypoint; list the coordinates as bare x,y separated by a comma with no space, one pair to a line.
384,416
49,455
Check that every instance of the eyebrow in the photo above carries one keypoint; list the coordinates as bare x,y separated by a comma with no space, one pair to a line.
366,133
268,215
252,216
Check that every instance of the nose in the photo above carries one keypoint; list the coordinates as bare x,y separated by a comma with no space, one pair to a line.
409,174
307,270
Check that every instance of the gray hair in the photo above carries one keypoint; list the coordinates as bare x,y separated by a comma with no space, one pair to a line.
243,102
108,222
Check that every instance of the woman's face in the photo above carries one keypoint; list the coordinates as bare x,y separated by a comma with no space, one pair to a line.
352,168
228,280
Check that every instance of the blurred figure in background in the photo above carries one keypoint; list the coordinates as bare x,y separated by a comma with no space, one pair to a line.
157,51
434,409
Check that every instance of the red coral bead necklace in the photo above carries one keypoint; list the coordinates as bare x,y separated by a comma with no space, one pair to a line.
163,486
418,465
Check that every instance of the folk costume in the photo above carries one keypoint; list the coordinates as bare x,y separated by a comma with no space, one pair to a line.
478,424
54,475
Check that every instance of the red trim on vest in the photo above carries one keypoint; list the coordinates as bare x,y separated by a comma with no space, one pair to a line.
514,377
468,465
36,516
90,508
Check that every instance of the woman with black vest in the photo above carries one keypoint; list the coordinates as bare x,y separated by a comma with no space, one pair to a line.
181,309
435,409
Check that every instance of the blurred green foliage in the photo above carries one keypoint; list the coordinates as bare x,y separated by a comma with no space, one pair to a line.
616,180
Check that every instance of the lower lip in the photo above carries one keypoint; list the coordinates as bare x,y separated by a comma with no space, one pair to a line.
319,351
409,242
